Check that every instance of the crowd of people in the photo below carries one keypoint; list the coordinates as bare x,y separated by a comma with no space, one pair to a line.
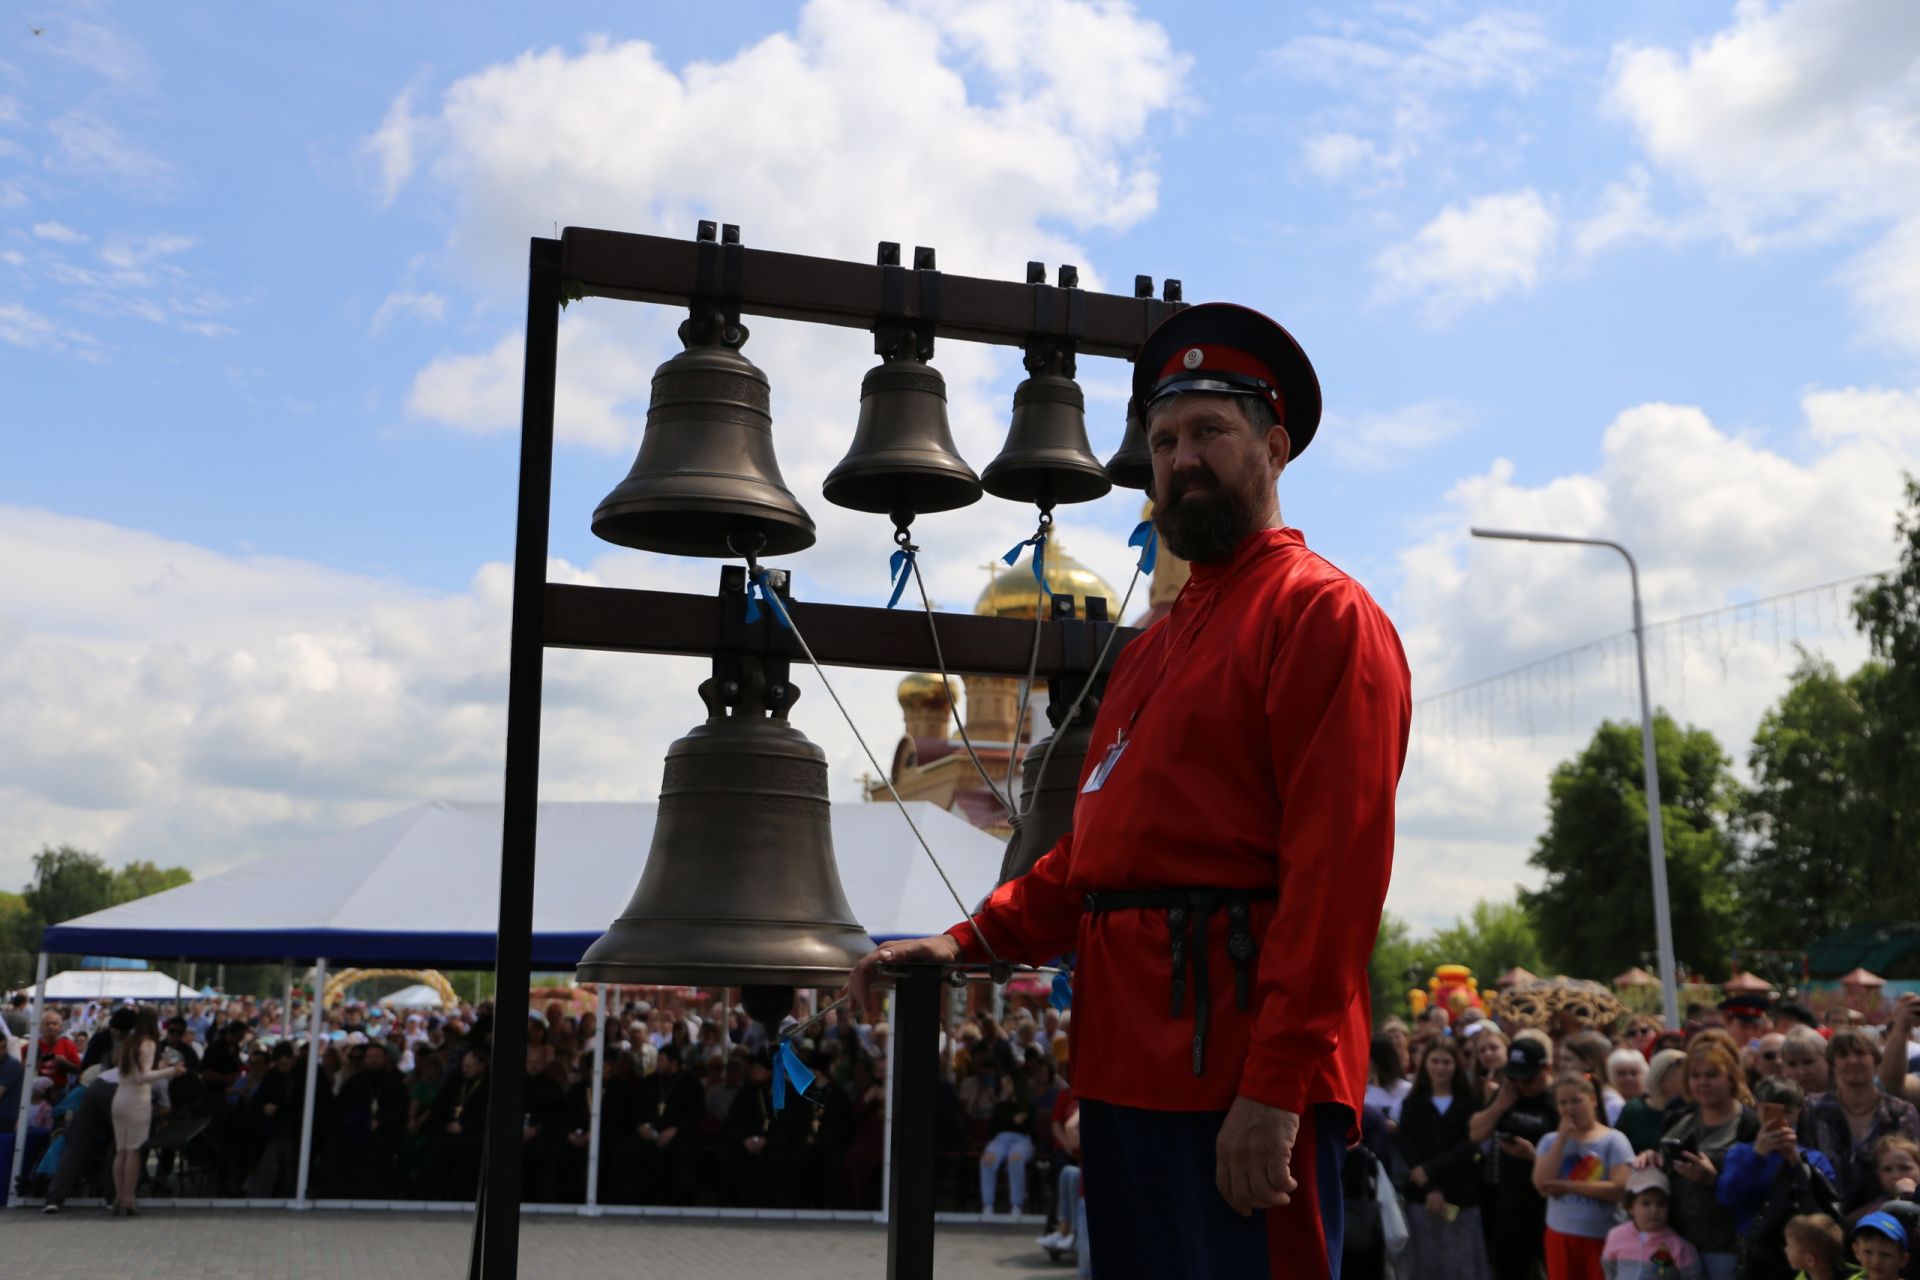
687,1111
1755,1144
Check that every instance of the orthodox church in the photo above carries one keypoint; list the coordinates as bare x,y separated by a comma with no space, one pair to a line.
931,762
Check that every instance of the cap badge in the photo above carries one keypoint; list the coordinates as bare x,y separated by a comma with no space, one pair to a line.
1193,357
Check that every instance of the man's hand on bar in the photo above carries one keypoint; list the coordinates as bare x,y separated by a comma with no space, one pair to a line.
939,949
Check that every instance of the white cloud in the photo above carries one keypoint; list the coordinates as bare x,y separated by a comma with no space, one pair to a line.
58,232
1335,155
424,306
1395,82
1472,253
136,276
1028,123
1799,121
1714,518
161,700
1373,441
392,144
22,327
92,147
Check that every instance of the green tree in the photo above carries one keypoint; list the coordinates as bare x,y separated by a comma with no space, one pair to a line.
1814,822
68,882
1888,613
1490,939
1395,967
1594,913
19,940
139,879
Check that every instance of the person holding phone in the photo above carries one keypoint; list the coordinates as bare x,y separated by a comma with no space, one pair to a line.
1771,1180
1519,1116
1693,1150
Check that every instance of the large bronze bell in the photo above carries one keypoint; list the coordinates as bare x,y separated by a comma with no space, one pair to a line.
1047,458
1131,466
706,482
740,886
1052,795
902,462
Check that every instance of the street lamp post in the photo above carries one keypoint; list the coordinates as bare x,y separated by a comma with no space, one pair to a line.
1656,842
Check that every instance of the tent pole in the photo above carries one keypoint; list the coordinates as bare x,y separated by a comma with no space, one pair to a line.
179,1002
316,1026
33,1064
286,1003
599,1089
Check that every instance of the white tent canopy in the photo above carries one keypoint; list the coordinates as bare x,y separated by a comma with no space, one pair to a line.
417,996
113,984
422,887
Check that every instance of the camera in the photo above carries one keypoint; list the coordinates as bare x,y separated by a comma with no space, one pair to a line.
1670,1151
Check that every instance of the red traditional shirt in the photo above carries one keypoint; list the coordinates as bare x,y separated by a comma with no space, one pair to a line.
1265,720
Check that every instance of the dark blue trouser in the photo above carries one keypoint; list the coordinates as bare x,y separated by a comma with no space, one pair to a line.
1153,1209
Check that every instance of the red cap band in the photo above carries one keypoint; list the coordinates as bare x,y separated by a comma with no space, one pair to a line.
1220,360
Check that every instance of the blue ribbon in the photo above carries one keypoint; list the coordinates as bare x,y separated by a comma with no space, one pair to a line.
1039,544
1062,996
787,1066
899,569
1147,539
757,590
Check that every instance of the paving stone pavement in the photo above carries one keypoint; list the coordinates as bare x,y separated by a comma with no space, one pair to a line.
276,1244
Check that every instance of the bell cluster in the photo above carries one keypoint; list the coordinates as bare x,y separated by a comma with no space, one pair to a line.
707,482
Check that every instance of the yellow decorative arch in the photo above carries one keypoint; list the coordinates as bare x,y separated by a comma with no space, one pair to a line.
337,985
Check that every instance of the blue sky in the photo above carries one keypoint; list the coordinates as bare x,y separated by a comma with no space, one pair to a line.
1636,270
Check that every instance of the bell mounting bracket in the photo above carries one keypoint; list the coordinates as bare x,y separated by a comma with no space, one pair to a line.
905,331
718,267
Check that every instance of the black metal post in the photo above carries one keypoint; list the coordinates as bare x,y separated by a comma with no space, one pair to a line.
916,1065
496,1228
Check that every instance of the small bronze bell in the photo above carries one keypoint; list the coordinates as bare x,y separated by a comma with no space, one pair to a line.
902,462
706,482
740,886
1047,458
1131,466
1051,813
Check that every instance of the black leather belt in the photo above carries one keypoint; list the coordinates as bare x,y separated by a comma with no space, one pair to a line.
1182,906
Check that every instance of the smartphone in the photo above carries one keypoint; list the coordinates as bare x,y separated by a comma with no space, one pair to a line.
1670,1149
1772,1113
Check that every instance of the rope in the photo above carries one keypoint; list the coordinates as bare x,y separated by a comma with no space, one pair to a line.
759,575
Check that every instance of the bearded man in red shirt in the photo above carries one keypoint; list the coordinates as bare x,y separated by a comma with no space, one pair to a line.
1231,845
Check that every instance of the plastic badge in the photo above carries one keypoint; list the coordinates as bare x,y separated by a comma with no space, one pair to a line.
787,1066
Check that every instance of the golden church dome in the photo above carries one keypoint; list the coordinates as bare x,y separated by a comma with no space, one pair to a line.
922,686
1014,594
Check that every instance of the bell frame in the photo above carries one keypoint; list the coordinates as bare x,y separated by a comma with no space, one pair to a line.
716,268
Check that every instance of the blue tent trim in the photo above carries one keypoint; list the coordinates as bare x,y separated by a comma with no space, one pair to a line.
449,950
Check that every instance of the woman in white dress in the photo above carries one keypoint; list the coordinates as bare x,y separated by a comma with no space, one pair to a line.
133,1107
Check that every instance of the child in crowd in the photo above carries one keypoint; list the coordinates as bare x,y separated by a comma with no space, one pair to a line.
1880,1247
1813,1247
1645,1247
1896,1161
1581,1168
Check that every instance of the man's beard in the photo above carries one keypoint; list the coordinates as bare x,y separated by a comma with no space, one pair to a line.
1202,520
